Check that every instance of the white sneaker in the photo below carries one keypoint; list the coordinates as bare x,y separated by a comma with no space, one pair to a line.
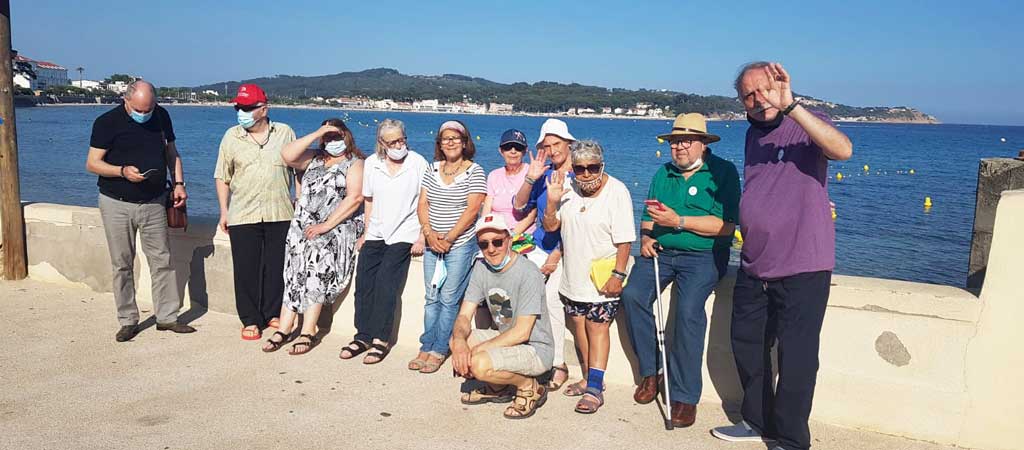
740,432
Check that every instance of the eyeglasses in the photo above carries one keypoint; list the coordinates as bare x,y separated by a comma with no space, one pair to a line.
451,140
248,108
390,144
485,244
589,168
684,143
510,147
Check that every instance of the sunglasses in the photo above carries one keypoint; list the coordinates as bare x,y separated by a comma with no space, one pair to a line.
510,147
248,108
591,168
485,244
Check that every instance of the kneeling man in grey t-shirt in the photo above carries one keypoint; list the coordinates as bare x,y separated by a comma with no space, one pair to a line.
509,359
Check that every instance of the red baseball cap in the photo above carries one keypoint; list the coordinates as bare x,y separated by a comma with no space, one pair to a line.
250,94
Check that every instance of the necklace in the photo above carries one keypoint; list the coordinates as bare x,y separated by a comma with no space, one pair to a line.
265,141
452,173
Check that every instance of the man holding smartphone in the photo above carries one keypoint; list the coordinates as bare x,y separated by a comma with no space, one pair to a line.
131,150
689,221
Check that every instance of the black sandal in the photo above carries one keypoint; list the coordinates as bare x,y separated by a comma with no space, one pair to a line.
360,347
308,345
275,345
379,351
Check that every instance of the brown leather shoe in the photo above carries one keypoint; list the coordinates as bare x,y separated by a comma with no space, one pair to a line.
647,390
683,414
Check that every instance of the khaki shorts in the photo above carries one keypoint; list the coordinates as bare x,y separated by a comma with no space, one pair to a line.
521,359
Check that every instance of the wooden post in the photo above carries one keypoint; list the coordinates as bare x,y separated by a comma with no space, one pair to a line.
12,219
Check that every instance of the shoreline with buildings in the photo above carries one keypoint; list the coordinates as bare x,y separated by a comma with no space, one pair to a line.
712,117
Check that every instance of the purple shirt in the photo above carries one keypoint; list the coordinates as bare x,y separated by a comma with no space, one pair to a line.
784,212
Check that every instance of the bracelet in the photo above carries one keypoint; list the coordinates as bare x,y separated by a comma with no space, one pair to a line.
122,171
619,275
789,108
530,181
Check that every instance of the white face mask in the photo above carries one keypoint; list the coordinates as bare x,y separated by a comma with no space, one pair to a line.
396,154
336,148
693,165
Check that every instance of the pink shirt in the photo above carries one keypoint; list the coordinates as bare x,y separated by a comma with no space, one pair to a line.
502,188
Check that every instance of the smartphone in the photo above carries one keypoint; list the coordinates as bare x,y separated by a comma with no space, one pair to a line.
148,173
654,204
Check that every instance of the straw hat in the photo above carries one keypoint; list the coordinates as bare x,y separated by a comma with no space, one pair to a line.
691,124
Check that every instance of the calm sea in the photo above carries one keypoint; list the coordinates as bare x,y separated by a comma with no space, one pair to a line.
882,229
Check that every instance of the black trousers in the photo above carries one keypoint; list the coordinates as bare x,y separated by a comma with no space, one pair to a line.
381,272
788,311
257,255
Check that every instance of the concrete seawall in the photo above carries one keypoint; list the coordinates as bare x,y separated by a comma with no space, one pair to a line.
908,359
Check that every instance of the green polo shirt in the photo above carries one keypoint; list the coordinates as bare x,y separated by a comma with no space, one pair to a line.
713,190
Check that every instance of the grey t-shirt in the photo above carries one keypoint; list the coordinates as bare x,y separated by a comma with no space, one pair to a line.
518,291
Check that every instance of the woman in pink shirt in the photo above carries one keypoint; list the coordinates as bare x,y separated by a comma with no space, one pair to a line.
504,182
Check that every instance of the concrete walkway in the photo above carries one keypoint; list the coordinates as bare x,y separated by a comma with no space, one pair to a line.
68,384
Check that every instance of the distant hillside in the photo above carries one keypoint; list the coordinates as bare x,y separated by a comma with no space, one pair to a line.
543,96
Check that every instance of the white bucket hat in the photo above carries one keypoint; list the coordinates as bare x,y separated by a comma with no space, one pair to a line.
555,127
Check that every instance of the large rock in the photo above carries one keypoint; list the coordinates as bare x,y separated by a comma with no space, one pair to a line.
995,175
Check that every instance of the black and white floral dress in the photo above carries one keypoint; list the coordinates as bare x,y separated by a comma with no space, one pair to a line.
317,270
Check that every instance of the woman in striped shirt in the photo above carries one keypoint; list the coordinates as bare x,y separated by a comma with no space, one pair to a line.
452,192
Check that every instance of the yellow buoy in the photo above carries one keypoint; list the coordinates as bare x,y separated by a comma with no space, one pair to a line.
833,215
866,168
661,141
911,171
478,138
738,236
658,153
839,176
927,202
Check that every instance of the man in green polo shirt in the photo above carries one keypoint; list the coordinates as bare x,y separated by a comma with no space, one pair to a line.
691,214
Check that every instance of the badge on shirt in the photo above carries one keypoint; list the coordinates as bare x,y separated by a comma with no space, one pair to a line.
693,190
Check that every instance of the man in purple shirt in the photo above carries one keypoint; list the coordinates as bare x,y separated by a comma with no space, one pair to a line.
788,255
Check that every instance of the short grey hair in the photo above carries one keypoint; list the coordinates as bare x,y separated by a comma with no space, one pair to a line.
136,85
747,68
382,127
586,150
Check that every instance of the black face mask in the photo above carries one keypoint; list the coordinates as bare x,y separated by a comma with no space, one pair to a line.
766,126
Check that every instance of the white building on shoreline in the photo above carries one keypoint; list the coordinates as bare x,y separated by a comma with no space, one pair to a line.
47,74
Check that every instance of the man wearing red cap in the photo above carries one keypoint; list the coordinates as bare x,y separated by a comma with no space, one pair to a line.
253,189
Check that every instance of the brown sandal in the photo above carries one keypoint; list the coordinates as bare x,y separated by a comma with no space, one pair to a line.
526,402
488,394
418,362
306,346
432,364
555,386
272,345
592,401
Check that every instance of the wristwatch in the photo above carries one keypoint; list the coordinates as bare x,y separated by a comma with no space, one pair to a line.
620,275
179,183
680,226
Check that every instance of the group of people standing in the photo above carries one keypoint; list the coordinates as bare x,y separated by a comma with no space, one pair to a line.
511,259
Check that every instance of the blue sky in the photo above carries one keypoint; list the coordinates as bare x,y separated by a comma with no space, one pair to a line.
959,61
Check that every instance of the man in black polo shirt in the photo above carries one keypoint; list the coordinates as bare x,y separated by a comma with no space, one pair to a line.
131,149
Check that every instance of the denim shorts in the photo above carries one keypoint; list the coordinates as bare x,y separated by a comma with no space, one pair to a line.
521,359
600,312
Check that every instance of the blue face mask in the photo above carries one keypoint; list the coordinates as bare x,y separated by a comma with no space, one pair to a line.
499,267
245,119
139,117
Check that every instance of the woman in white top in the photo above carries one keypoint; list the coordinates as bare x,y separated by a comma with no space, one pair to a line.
596,220
391,192
452,192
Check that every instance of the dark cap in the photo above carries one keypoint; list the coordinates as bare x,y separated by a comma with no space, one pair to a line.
513,136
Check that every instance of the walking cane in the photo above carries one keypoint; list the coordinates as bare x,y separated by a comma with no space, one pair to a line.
660,327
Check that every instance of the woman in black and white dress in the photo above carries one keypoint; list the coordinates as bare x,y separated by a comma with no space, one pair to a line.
321,243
